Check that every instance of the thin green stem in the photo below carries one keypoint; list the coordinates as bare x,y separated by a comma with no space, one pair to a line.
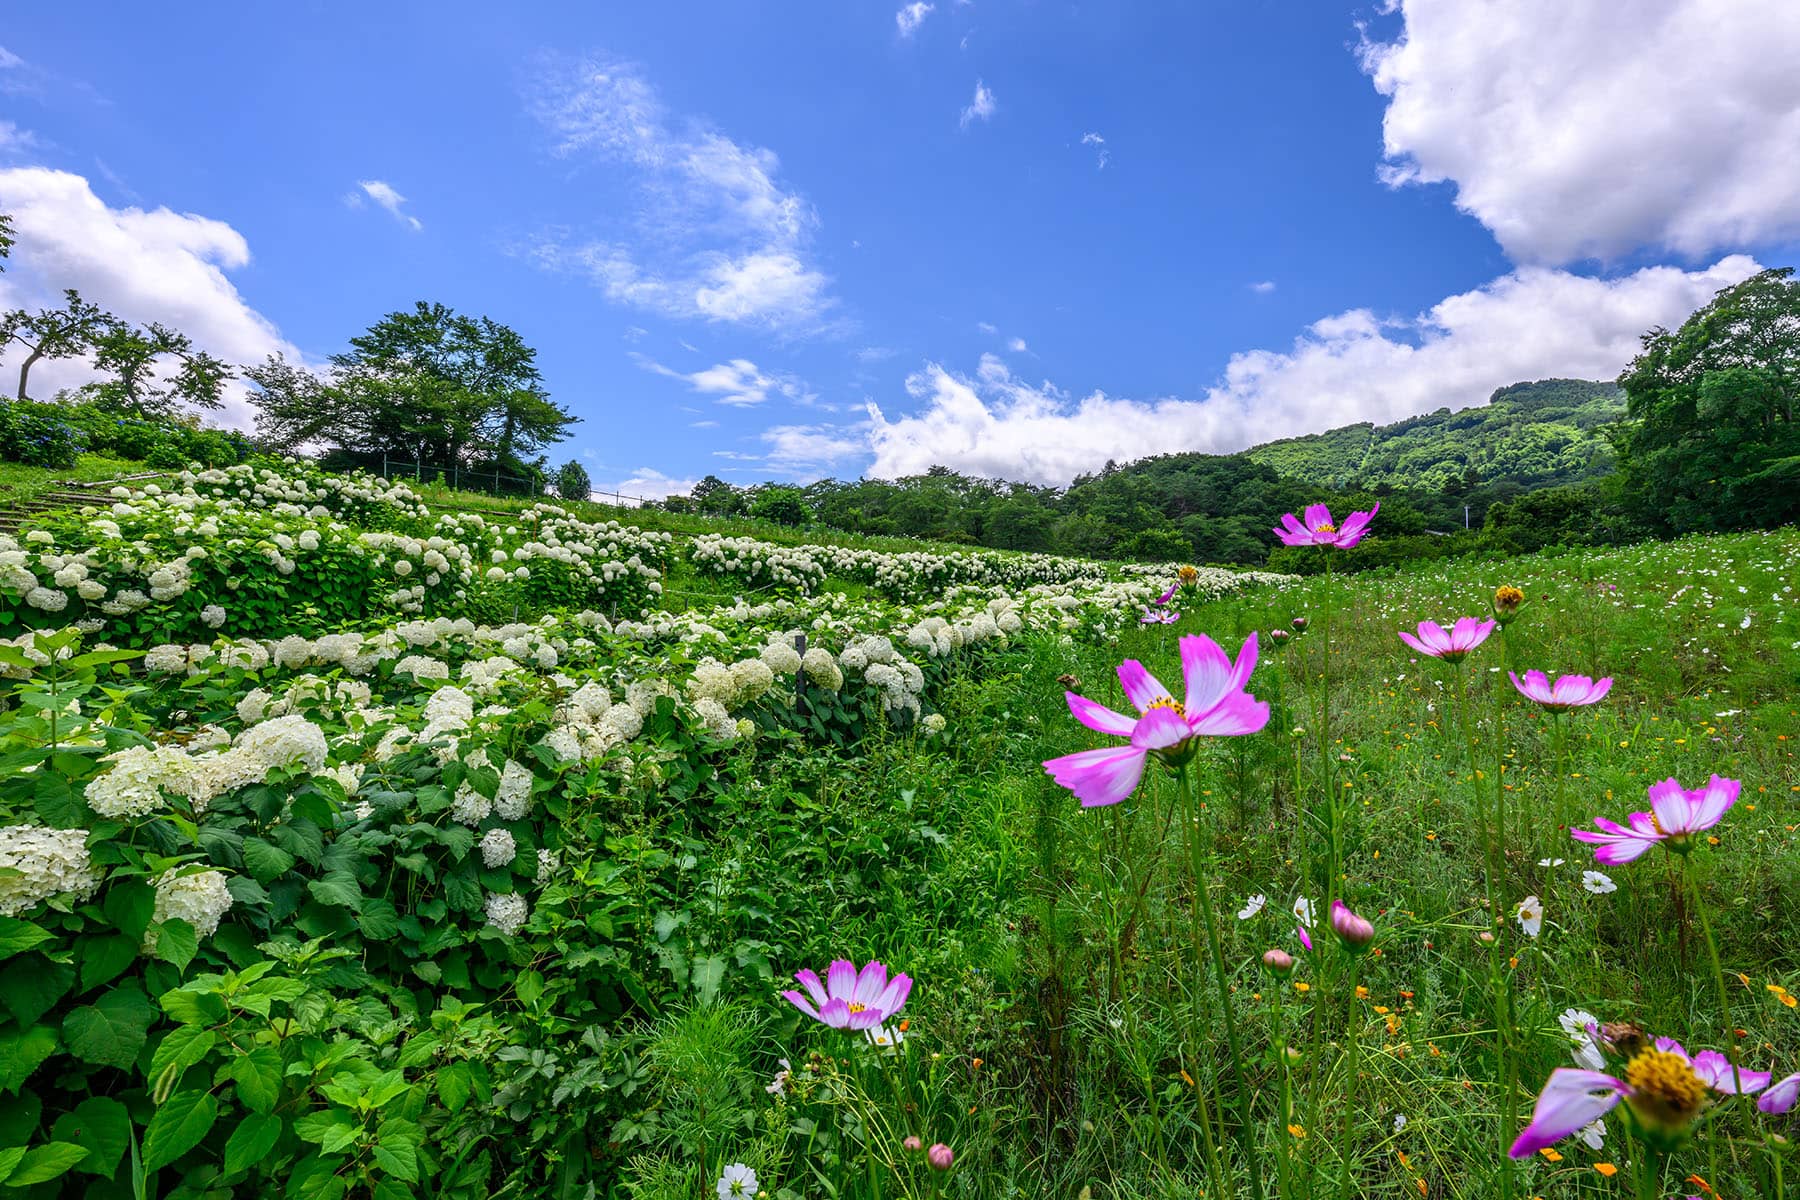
1352,1056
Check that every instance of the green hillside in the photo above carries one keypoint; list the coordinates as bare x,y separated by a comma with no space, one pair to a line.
1532,434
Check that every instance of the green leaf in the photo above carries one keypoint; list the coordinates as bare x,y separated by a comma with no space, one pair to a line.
399,1158
254,1137
21,1052
129,905
339,889
178,1126
177,943
192,1007
9,1158
17,936
302,839
45,1162
111,1030
101,1125
266,861
708,973
105,958
30,987
258,1076
461,890
332,1129
453,1086
379,919
183,1046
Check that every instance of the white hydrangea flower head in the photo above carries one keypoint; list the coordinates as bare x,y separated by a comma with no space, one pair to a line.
290,741
498,848
507,913
200,898
38,864
513,800
469,807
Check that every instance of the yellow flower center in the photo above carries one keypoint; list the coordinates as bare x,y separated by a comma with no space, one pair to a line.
856,1008
1168,702
1327,527
1667,1095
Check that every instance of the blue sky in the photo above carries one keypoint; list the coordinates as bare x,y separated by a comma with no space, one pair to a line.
1014,236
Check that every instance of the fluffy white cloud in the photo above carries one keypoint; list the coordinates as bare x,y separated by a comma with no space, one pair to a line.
1533,323
1017,345
716,237
385,196
154,265
809,450
14,138
1591,128
911,16
981,107
646,483
738,382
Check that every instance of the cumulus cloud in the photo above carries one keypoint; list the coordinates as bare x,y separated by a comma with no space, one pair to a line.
911,16
715,235
739,382
981,107
1532,323
143,265
645,483
1583,128
384,196
811,450
1017,345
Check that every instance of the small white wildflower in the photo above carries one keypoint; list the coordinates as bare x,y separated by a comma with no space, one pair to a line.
1598,883
1252,906
1531,916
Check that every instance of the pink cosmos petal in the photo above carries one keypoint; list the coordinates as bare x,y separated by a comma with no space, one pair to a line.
870,983
836,1013
1618,845
893,997
1099,777
1670,1046
1533,687
1571,1099
1712,802
1317,515
1434,638
809,980
1418,646
802,1003
1159,729
1239,713
1782,1097
1098,717
1141,687
1207,671
1304,939
868,1018
1168,595
1670,804
1715,1070
840,980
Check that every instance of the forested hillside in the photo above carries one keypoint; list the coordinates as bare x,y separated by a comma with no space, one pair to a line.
1533,434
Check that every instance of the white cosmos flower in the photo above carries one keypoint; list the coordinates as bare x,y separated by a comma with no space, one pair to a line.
1303,911
1598,882
885,1035
1575,1023
737,1181
1252,906
1593,1133
1551,862
1531,916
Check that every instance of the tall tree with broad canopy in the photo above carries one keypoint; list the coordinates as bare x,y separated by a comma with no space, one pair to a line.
131,357
427,385
52,333
1711,440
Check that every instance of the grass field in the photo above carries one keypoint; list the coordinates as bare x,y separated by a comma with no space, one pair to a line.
506,907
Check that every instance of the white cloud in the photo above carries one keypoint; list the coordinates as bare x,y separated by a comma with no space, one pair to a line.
1263,287
987,327
1104,155
1017,345
1533,323
14,138
384,195
1591,128
739,382
716,237
980,108
144,266
911,16
811,449
9,60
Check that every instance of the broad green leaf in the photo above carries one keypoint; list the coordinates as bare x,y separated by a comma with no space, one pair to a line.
45,1162
192,1007
21,1051
453,1085
401,1160
17,936
378,918
129,905
258,1076
266,861
184,1046
111,1030
104,958
253,1138
178,1126
102,1126
708,973
9,1158
176,943
338,889
29,987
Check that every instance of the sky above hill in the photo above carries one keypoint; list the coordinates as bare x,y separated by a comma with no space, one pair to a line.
830,237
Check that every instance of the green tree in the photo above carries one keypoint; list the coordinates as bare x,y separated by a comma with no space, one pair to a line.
52,333
131,357
572,482
430,384
7,239
1711,441
782,505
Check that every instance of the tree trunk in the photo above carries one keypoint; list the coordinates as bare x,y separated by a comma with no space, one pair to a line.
25,370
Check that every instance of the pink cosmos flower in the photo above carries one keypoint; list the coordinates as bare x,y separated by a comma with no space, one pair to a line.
849,999
1780,1097
1574,1097
1216,705
1676,815
1152,616
1569,691
1167,596
1319,529
1355,932
1434,641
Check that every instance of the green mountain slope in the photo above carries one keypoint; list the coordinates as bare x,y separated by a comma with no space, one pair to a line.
1531,434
